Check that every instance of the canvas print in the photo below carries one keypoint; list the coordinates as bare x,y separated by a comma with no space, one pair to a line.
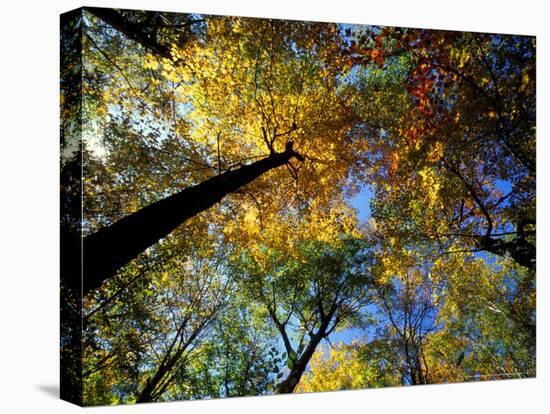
252,206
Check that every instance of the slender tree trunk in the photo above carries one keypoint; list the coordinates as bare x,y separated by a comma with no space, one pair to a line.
153,387
288,385
114,246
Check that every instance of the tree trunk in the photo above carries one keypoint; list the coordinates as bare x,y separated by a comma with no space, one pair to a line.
132,30
112,247
519,249
152,391
291,381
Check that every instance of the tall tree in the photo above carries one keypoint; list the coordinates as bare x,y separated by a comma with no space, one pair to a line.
110,248
271,98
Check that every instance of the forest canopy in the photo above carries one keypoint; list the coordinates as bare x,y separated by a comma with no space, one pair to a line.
274,206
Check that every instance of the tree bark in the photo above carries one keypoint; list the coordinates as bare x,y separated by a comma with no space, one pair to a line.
156,385
132,30
112,247
289,384
519,249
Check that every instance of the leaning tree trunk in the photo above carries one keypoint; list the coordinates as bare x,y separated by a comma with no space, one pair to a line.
114,246
289,384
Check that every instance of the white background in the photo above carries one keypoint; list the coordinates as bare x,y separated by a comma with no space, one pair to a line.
29,205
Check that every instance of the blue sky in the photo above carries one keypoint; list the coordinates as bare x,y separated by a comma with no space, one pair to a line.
361,202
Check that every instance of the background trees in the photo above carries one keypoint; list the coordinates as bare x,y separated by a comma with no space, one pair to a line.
222,156
462,153
308,297
147,337
407,302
